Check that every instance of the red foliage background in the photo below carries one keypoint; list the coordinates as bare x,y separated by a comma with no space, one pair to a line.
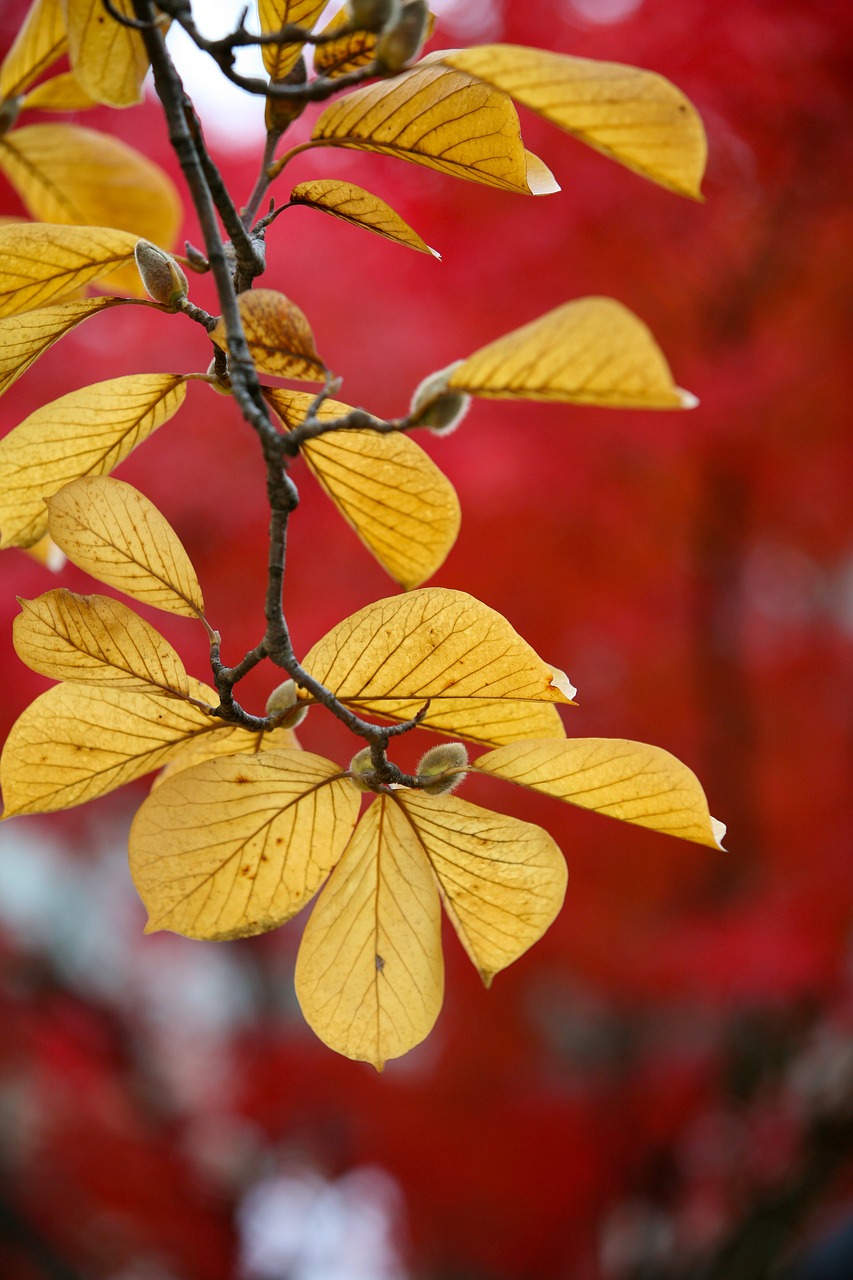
672,1061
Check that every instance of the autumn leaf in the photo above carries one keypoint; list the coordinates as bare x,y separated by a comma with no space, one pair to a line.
591,351
636,117
279,59
433,644
446,120
357,206
627,780
384,485
116,534
96,640
237,845
40,261
348,53
74,743
227,740
40,42
25,337
61,93
67,174
502,881
279,336
491,723
108,59
86,432
370,973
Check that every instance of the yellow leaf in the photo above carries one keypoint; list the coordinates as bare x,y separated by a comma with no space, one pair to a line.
354,204
96,640
350,52
391,657
478,719
394,496
39,42
279,59
591,351
76,743
116,534
633,116
107,58
40,261
370,973
345,54
87,432
25,337
61,93
227,740
279,336
238,845
502,881
67,174
444,119
626,780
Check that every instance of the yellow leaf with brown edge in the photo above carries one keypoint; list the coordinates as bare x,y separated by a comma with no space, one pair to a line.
25,337
590,351
61,93
96,640
86,432
431,644
237,845
75,743
108,58
385,486
369,972
227,740
630,781
65,173
40,41
40,262
116,534
636,117
279,59
355,205
444,119
502,881
278,334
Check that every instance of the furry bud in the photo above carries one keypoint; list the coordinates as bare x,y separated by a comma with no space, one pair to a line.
373,15
163,278
282,704
436,406
446,764
361,763
402,42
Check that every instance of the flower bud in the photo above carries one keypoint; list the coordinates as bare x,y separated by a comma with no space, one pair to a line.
373,15
436,406
402,42
282,704
361,763
163,278
446,764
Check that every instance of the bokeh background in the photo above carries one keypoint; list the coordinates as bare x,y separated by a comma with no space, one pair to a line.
662,1089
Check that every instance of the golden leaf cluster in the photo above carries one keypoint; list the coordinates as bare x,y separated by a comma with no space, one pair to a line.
242,827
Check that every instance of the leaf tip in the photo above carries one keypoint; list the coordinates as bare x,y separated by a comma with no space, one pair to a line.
560,681
687,398
152,926
718,830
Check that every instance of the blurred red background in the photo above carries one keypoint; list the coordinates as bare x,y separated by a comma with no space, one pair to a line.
661,1088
